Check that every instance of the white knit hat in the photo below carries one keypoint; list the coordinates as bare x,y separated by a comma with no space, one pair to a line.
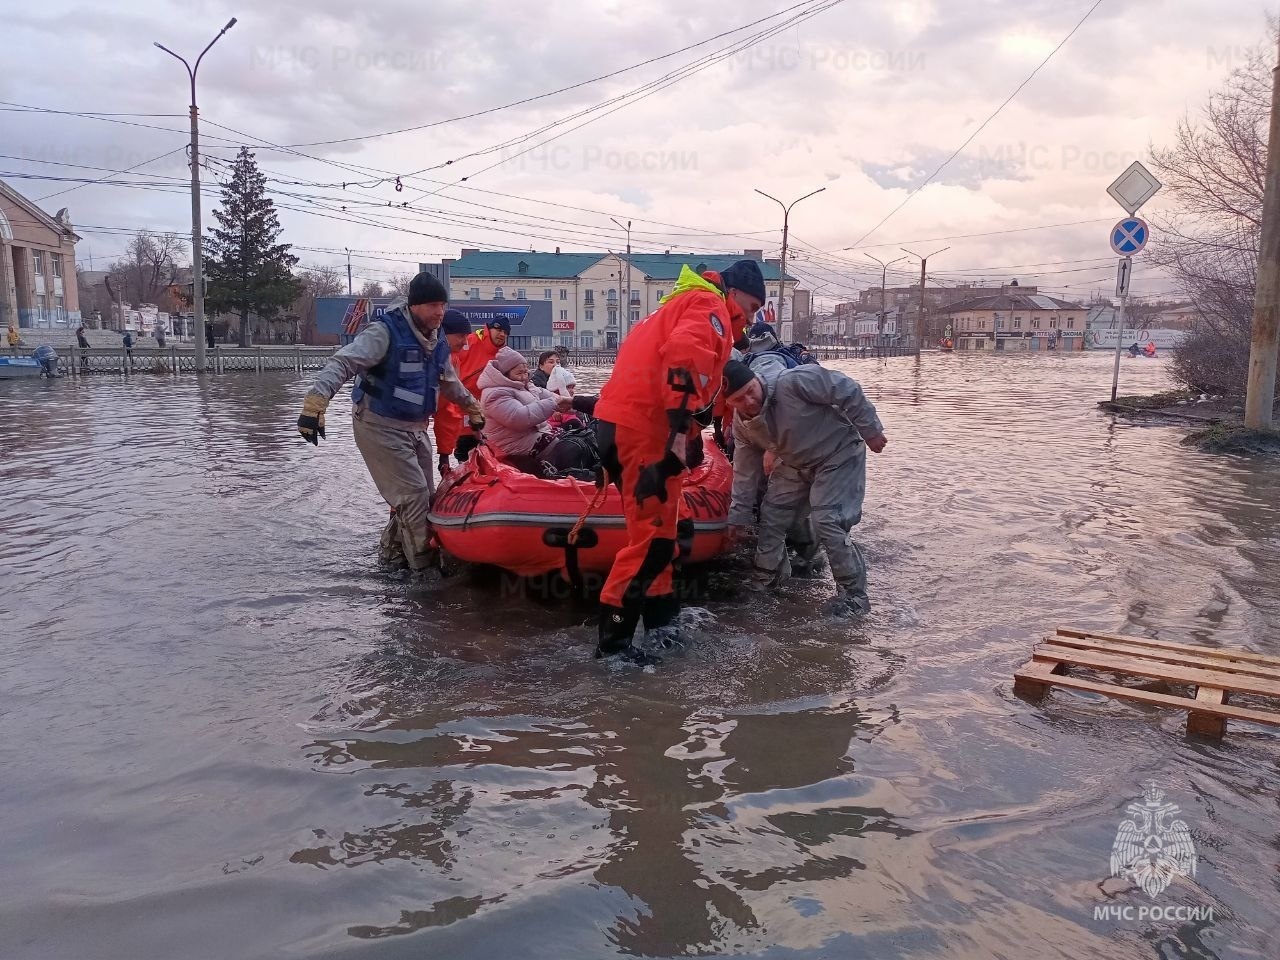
560,380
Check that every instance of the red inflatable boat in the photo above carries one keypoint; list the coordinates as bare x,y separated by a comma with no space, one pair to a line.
489,512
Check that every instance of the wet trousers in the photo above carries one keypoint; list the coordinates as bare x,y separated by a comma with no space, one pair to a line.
832,494
400,462
642,569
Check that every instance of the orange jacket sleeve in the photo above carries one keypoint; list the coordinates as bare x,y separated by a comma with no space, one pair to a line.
698,342
447,422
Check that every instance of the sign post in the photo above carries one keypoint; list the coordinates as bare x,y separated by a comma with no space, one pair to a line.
1131,190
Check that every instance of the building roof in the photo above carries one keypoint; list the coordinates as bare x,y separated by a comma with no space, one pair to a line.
1012,301
538,266
505,265
57,225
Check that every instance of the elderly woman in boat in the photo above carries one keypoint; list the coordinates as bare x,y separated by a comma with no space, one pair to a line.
516,412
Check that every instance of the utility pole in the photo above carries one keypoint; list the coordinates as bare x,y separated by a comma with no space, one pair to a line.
884,273
912,340
197,264
626,293
348,249
782,264
1260,396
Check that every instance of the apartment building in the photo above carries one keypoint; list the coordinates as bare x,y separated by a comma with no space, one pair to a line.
596,298
1018,318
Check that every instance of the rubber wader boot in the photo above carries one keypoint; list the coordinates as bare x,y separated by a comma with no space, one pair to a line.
617,626
847,603
660,625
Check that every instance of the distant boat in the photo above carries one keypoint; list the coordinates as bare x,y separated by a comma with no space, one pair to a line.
13,367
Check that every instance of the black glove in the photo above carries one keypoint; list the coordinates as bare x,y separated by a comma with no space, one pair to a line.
585,405
694,453
652,481
717,432
311,428
704,416
680,420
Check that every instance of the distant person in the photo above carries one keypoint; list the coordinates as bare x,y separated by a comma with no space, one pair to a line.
128,347
208,335
83,343
160,336
401,364
15,339
819,424
548,360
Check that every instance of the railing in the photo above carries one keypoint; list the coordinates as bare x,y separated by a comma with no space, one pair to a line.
175,359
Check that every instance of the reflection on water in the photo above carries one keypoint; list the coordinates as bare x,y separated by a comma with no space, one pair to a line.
231,736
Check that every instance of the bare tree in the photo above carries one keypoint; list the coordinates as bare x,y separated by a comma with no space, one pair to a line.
372,288
149,267
400,284
1214,171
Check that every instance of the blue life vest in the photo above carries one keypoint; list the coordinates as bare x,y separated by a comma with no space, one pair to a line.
787,356
404,383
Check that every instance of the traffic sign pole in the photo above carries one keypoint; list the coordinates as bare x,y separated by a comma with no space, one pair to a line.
1115,374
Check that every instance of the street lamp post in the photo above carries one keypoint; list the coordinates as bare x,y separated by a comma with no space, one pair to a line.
923,261
782,268
197,265
626,293
884,272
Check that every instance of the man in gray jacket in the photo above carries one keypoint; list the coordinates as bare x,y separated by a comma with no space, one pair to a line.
815,422
401,366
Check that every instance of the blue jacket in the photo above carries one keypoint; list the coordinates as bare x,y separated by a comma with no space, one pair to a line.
403,385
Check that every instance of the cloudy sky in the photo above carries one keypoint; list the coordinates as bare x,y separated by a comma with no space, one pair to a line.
706,102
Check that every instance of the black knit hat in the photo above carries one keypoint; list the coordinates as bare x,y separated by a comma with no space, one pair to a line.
425,288
745,275
736,376
455,321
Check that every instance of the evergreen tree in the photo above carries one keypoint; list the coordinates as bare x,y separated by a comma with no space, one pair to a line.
246,270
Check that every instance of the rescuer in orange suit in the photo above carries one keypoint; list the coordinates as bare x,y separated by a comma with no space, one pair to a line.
668,369
447,422
478,349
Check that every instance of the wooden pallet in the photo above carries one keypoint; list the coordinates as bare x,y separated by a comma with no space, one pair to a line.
1215,674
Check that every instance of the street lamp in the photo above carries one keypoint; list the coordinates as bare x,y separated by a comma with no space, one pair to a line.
626,293
923,260
884,271
782,269
197,266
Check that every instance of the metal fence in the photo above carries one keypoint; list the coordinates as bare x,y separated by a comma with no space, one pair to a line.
172,360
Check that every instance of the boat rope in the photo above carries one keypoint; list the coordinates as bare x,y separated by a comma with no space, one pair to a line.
591,508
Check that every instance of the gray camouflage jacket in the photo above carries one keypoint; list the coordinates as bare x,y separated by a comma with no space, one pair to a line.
811,416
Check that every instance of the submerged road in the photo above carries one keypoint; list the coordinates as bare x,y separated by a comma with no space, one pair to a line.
228,735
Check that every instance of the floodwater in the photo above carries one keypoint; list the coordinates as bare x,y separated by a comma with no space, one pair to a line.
226,734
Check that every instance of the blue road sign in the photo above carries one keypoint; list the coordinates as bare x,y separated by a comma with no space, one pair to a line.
1129,236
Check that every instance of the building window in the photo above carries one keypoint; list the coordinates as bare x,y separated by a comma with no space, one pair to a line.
37,258
566,341
546,293
564,294
613,316
635,296
613,295
635,316
497,293
474,293
564,314
59,310
588,314
1017,323
1035,324
1071,324
1053,323
659,294
585,341
589,297
523,267
520,293
56,260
